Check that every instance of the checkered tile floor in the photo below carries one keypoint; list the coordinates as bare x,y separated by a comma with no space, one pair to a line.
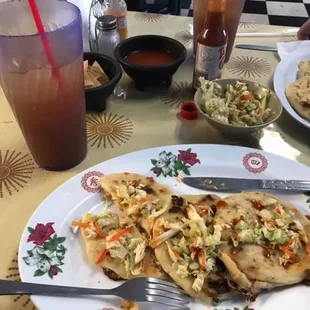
275,12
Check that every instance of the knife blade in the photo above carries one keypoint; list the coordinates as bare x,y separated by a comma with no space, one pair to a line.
257,47
236,184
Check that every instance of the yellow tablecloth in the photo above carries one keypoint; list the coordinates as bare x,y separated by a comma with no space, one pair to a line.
142,120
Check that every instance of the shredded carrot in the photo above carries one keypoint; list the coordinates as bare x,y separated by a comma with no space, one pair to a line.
175,253
257,204
79,224
204,211
150,270
271,222
146,198
102,256
151,222
99,231
202,259
119,234
154,243
156,233
240,104
221,204
291,255
194,252
236,220
292,240
246,97
308,248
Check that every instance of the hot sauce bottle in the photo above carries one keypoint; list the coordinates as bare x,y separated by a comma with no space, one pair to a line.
211,46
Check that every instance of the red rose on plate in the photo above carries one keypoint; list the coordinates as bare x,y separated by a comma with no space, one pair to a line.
54,270
188,158
158,170
41,233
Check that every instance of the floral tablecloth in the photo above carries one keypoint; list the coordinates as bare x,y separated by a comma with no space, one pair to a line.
142,120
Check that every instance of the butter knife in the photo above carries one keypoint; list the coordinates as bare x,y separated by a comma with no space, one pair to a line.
235,184
257,47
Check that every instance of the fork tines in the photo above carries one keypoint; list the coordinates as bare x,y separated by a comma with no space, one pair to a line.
166,293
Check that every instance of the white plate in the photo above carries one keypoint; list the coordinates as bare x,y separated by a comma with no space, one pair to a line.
285,74
81,194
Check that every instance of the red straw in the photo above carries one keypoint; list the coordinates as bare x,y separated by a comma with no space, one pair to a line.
41,30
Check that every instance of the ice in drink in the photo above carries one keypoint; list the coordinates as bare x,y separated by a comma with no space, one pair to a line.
232,17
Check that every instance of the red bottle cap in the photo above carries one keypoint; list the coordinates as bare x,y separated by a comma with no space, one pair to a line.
189,110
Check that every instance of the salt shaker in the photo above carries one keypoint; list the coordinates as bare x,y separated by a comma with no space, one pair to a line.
107,35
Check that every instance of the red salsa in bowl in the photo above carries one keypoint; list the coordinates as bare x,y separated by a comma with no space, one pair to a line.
150,57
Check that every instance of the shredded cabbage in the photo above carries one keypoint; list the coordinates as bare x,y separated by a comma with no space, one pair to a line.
234,105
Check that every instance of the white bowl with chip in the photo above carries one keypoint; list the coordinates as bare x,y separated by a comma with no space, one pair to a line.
273,102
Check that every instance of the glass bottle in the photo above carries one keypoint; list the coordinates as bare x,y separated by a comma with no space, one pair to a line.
107,36
118,8
211,44
232,17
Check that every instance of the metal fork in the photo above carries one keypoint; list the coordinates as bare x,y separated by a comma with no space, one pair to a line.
139,290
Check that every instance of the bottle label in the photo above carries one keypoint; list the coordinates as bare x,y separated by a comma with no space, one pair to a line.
122,27
122,22
209,63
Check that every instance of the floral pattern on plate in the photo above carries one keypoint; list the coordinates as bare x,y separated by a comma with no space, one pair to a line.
90,181
48,253
169,164
255,162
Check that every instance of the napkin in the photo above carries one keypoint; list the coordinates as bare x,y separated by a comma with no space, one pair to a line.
286,48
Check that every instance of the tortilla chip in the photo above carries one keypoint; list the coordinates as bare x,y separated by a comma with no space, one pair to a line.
93,78
85,63
96,69
88,83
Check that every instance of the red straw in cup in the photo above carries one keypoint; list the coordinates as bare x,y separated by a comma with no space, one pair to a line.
46,45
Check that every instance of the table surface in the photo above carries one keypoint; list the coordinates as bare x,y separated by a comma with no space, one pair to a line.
143,120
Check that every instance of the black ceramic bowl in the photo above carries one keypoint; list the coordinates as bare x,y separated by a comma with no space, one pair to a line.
96,97
145,76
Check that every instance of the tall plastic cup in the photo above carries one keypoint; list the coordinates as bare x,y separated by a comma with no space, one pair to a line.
49,107
234,10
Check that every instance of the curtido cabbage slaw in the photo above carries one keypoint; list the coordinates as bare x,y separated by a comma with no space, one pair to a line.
234,105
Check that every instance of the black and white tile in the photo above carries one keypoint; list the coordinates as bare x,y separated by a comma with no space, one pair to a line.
273,12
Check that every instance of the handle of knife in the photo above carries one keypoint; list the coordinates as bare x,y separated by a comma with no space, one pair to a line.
286,185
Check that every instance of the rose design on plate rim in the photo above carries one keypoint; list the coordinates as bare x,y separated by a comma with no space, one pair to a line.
255,162
169,164
49,251
90,182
